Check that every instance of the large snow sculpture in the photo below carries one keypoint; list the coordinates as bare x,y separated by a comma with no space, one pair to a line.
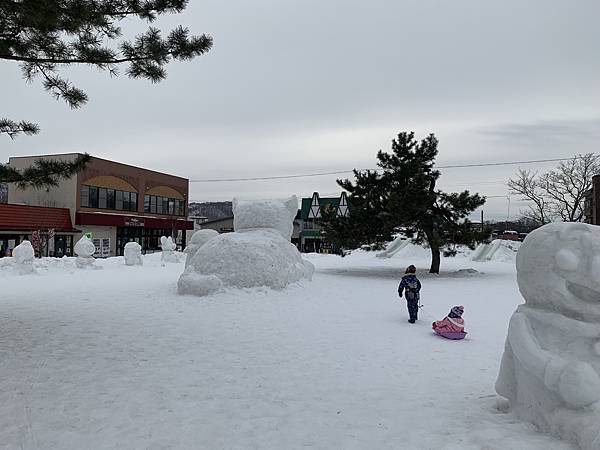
258,253
85,249
550,370
168,250
24,256
199,238
132,252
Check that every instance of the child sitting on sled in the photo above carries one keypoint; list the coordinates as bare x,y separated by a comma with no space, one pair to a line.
452,323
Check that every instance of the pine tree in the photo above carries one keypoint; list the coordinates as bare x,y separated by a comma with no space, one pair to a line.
45,36
402,197
43,172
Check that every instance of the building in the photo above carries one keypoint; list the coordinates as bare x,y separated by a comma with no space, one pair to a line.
592,202
49,229
116,203
310,237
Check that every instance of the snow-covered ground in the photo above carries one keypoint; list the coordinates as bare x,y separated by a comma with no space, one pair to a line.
114,359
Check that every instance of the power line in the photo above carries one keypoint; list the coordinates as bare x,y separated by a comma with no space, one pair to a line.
339,172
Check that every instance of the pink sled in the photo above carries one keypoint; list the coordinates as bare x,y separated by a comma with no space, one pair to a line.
451,335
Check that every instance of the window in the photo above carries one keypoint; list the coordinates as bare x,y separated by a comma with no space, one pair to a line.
171,206
118,199
181,208
110,198
102,194
126,201
146,203
153,204
176,210
133,201
85,196
93,198
165,205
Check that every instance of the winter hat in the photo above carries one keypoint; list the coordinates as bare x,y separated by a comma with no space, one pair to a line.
456,312
411,269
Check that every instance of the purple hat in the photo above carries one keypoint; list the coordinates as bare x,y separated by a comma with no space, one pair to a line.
456,311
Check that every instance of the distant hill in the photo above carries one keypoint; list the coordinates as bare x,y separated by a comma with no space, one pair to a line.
3,193
211,210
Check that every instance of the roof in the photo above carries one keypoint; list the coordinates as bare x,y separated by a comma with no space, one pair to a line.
323,201
29,218
95,157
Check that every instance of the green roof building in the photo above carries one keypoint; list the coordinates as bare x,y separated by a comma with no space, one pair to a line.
310,237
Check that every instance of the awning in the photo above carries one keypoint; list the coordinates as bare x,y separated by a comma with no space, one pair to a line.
119,220
31,218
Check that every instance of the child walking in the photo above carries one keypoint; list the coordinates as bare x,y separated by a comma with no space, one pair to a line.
411,285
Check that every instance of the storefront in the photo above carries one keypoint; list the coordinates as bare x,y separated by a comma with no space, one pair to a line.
113,231
48,229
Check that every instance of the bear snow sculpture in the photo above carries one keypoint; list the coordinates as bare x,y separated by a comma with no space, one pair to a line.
550,371
132,252
199,238
24,256
258,253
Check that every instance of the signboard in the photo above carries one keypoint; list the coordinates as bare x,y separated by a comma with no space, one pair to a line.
134,222
102,247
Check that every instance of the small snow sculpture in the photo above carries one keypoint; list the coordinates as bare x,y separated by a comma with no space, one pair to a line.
24,256
199,238
168,250
85,249
133,254
550,370
258,253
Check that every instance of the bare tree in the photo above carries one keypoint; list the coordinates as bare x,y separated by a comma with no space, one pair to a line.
527,185
566,185
558,193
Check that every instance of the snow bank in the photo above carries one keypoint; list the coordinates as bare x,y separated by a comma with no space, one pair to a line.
133,254
497,250
397,245
256,254
550,370
199,238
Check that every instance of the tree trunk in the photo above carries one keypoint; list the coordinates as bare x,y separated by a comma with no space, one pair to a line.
435,259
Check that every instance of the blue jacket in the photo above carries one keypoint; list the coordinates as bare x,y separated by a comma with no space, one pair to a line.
412,285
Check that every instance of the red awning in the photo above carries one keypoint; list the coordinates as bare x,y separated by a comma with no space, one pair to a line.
30,218
118,220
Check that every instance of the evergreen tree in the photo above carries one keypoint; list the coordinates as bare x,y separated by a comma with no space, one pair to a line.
43,172
46,36
403,198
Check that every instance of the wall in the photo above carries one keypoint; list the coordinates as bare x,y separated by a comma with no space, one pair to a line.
61,196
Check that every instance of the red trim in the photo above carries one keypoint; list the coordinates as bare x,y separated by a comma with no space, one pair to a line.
25,217
116,220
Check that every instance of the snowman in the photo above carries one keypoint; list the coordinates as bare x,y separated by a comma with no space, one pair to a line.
550,371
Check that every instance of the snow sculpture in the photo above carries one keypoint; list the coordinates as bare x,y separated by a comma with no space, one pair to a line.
84,249
550,370
168,250
199,238
24,256
133,254
258,253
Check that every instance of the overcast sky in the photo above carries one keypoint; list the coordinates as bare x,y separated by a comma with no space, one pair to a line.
294,87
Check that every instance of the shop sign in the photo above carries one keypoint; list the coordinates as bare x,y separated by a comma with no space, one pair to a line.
134,222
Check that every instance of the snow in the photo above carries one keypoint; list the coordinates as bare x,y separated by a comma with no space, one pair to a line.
497,250
118,359
132,252
198,239
255,255
550,370
24,256
398,244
